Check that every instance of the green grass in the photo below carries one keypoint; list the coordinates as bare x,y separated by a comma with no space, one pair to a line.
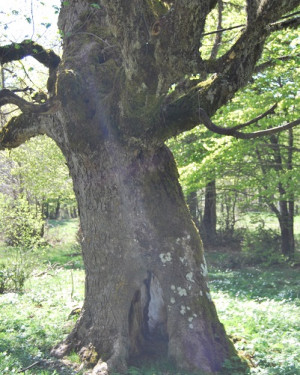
61,231
260,311
259,308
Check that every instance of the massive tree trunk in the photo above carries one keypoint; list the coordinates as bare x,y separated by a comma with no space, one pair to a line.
146,284
110,110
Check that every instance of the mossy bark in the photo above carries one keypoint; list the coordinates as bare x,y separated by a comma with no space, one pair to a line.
146,277
146,290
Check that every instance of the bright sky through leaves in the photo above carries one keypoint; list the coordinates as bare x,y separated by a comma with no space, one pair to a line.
29,19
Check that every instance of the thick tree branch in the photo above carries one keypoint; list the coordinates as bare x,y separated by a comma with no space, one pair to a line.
23,127
234,133
17,51
179,111
251,9
273,10
9,97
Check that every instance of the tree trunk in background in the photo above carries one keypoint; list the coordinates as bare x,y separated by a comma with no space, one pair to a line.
192,202
209,222
286,222
285,214
57,209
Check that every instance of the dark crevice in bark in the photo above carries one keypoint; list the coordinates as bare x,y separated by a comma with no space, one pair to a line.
148,323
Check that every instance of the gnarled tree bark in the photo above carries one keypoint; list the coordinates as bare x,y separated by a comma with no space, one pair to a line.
110,112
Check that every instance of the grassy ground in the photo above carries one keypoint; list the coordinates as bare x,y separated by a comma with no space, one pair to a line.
259,308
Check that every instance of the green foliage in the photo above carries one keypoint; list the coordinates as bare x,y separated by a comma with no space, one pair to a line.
16,267
13,276
20,225
32,322
261,246
42,170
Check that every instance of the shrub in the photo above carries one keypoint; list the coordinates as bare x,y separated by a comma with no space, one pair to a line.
19,224
261,246
16,270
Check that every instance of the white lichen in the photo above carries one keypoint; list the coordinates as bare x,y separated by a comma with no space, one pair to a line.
191,326
189,277
172,300
173,287
208,296
190,319
182,310
165,257
204,268
181,291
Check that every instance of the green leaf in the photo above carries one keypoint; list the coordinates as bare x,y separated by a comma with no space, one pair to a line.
46,24
56,9
94,5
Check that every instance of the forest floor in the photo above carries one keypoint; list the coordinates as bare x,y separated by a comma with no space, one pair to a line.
258,306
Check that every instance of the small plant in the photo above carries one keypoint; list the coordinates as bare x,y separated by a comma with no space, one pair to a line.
16,271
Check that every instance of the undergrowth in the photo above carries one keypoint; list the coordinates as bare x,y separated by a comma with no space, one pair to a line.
258,306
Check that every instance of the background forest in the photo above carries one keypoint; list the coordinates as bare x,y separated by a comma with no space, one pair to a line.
244,197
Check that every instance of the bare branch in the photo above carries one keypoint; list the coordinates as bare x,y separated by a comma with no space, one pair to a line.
221,30
256,119
17,51
290,23
234,133
9,97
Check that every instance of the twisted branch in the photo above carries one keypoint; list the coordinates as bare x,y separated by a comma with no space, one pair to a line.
9,97
237,134
17,51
